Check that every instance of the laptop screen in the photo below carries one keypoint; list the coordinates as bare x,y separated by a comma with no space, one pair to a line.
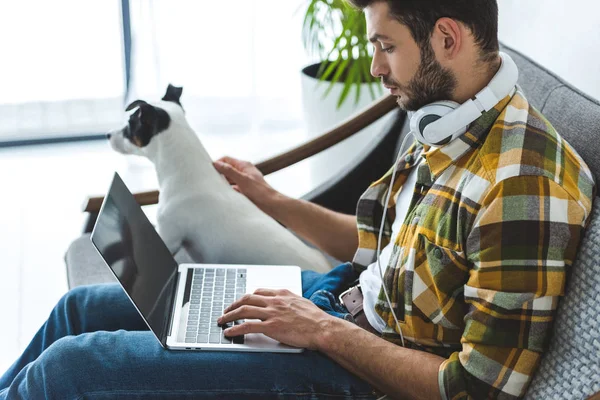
140,260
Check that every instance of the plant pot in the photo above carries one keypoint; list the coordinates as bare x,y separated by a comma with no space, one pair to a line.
321,114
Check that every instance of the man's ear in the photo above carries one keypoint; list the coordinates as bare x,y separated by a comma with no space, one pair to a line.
173,94
447,36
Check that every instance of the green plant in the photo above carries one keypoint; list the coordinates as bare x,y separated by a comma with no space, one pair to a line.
336,32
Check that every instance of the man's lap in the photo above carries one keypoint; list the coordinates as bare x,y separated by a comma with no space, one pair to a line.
106,361
124,363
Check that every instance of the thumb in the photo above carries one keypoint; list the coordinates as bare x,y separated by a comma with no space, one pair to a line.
230,172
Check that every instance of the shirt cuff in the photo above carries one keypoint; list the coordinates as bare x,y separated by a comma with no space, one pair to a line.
442,385
451,379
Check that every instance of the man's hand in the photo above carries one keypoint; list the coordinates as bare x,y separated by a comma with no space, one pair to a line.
248,180
296,321
284,316
332,232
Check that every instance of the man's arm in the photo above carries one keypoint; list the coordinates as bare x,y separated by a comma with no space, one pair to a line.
398,371
332,232
524,239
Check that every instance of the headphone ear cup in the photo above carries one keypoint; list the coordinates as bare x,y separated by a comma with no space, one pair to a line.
427,115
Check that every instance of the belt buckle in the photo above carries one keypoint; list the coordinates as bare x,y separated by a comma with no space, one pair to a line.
345,292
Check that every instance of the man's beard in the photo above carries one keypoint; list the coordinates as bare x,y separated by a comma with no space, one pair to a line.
431,83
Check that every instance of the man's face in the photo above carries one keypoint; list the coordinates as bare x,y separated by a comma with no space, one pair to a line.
411,73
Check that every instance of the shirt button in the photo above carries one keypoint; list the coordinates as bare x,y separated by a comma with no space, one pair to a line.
408,159
438,253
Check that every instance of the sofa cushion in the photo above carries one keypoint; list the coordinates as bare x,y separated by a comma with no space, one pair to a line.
577,118
86,267
571,367
84,264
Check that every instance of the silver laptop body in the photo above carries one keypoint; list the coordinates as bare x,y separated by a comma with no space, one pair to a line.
180,303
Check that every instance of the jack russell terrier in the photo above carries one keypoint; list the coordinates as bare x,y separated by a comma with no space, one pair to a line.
197,208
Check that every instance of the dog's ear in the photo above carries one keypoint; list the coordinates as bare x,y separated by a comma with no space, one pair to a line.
146,122
148,114
173,94
135,104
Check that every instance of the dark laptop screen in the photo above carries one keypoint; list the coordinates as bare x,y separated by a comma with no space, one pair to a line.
136,254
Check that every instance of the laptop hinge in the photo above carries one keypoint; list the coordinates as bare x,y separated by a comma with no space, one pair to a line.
171,315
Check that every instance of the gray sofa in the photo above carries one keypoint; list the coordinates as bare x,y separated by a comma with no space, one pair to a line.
571,368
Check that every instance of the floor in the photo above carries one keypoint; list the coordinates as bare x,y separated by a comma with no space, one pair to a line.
44,187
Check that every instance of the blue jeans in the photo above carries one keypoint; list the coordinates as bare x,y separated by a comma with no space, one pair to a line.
95,345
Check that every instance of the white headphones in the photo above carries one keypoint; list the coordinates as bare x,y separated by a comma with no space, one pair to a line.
441,122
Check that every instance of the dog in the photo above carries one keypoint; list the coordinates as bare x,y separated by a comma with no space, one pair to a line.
197,208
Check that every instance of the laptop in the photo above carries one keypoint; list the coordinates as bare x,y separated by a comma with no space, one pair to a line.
180,303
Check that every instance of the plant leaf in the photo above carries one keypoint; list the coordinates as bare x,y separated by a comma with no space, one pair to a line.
340,70
332,67
336,32
368,78
347,87
358,81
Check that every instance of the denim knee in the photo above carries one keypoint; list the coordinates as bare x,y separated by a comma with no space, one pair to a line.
88,296
80,294
76,293
56,373
59,359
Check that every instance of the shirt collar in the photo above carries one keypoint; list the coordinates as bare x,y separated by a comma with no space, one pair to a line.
440,158
406,161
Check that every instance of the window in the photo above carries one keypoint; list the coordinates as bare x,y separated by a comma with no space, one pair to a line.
62,68
238,61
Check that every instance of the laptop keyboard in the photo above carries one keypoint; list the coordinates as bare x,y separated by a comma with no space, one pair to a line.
213,290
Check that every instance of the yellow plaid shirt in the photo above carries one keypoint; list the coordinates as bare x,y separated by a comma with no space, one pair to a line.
481,259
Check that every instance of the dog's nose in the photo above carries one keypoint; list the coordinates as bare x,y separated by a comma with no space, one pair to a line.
108,135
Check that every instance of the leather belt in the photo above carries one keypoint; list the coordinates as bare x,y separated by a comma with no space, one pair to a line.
352,299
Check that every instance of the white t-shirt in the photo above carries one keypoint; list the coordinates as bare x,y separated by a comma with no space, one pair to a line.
370,280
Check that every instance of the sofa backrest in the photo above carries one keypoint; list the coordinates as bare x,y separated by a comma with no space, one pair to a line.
571,367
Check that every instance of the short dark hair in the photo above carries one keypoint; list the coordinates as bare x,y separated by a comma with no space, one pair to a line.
420,16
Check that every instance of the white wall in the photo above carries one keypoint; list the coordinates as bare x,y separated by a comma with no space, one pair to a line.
562,35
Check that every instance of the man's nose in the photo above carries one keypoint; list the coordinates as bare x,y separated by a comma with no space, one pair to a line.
378,66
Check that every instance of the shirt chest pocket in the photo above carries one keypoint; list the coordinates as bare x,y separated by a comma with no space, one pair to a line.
437,285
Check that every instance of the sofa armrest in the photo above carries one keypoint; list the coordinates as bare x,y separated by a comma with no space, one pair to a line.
341,192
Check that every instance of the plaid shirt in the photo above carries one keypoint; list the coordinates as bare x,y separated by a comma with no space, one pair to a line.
481,259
